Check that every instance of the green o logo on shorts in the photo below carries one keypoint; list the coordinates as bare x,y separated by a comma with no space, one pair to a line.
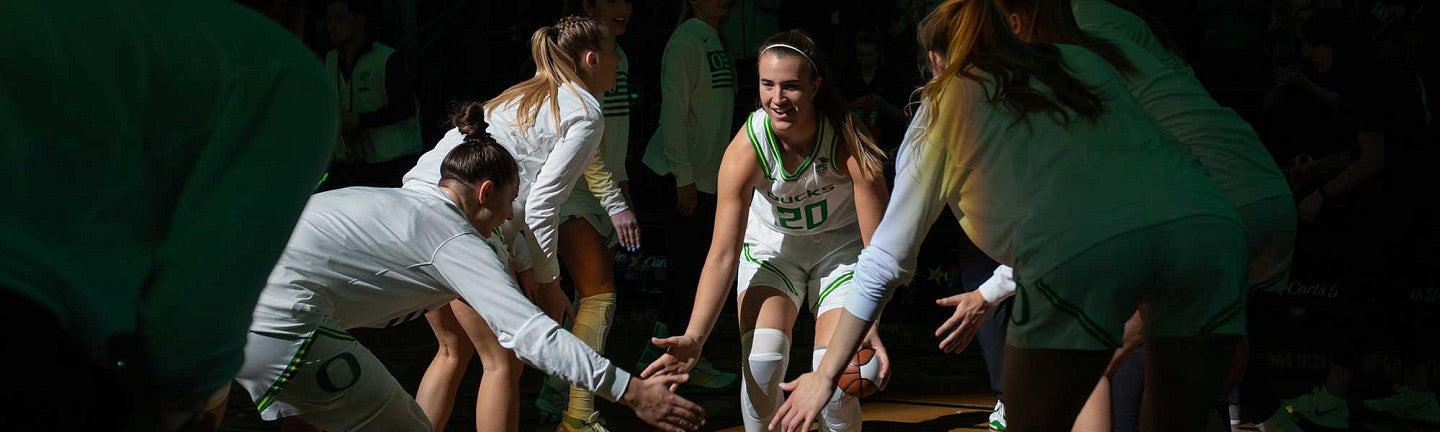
323,377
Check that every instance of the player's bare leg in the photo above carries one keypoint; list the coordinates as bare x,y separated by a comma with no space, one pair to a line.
497,406
1045,388
436,394
1183,379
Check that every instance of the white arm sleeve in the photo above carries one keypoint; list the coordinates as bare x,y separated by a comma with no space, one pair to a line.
603,183
918,197
471,268
580,132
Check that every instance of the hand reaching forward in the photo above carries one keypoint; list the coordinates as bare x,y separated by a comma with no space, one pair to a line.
656,404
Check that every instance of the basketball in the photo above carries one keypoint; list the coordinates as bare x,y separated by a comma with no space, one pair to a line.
862,377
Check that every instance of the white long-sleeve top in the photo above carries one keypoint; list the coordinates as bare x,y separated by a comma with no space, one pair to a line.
552,157
697,90
1035,193
1225,144
1114,22
374,257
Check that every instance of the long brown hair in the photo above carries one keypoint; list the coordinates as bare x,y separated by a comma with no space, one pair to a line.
557,52
828,102
973,33
1052,21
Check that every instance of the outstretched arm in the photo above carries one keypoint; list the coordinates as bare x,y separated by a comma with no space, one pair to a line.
468,265
738,174
884,264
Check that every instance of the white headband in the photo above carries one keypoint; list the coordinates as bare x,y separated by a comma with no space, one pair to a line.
802,53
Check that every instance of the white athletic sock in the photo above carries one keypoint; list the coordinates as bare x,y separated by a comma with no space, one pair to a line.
592,324
842,414
766,351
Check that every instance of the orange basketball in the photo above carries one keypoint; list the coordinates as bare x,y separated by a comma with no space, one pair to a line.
862,377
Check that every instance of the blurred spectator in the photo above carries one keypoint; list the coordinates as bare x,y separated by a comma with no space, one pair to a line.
379,128
876,92
1366,193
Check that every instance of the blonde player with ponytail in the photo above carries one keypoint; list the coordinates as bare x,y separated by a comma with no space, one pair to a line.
801,190
553,125
587,235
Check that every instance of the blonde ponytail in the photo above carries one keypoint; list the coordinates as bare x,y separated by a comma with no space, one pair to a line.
557,51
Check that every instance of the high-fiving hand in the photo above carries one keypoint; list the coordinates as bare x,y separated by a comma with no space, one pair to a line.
681,353
654,401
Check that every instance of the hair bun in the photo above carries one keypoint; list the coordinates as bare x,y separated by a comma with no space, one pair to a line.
469,118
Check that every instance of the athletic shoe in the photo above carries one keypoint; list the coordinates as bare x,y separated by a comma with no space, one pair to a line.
1320,408
593,423
554,397
652,352
1234,413
1282,421
705,378
997,418
1408,404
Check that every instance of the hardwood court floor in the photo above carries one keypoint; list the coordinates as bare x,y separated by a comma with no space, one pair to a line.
929,391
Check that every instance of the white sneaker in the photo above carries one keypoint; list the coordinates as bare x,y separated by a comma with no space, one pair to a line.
997,418
1282,421
1408,405
1321,409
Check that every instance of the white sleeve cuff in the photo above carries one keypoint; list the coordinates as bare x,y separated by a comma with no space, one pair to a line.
614,388
1000,285
877,274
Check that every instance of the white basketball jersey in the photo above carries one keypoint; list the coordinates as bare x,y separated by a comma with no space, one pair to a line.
814,198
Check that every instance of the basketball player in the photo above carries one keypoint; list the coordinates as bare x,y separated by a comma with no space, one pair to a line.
367,257
459,330
1228,148
793,233
554,123
157,155
587,235
1052,168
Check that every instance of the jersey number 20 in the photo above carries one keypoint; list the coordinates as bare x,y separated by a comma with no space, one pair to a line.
813,214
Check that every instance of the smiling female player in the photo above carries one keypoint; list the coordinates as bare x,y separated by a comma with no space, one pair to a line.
800,192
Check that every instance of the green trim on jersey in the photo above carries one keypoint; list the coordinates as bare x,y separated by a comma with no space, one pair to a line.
337,334
268,397
1088,324
846,277
780,162
755,144
771,267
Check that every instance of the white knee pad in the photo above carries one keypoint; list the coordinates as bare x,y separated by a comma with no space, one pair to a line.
842,414
766,352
